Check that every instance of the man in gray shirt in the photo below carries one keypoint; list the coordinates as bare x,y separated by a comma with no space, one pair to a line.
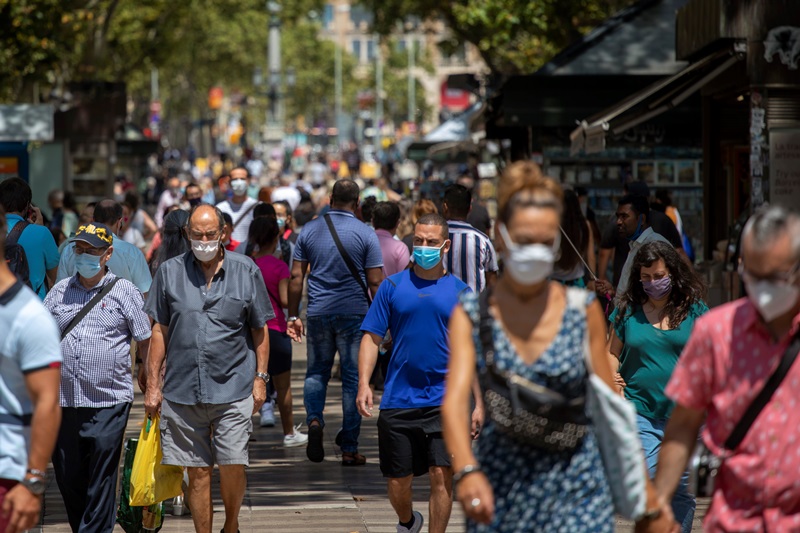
210,310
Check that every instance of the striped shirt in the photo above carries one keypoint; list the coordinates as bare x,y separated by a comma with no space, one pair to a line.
96,371
471,255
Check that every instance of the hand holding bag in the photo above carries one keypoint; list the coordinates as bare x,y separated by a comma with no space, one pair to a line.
614,421
152,482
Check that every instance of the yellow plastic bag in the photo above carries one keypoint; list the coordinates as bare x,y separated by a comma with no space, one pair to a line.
152,482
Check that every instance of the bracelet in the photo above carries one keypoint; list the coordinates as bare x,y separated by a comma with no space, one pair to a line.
292,319
467,470
36,473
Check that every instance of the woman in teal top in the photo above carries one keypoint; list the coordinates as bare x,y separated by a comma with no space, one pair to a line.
650,327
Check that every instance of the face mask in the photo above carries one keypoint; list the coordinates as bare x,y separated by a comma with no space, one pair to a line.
772,299
194,202
281,223
239,187
88,265
427,257
657,289
528,264
205,250
638,232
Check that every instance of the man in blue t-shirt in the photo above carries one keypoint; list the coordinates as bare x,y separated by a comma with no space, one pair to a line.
415,305
337,303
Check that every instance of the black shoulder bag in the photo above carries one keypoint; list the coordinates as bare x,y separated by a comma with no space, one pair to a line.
523,410
346,257
91,304
704,465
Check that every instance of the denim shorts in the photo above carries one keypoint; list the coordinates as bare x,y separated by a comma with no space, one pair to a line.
203,434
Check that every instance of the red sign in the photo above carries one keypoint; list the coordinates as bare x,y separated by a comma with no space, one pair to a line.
215,96
453,99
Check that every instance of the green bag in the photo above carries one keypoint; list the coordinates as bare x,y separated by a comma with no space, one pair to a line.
130,517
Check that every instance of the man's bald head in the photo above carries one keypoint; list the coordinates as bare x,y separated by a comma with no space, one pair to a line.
204,215
107,212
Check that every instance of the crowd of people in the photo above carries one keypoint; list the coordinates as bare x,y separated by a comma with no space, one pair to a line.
482,332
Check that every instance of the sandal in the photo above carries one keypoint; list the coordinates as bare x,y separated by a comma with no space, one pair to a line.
353,459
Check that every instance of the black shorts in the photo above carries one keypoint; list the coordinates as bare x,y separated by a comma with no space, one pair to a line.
280,353
410,441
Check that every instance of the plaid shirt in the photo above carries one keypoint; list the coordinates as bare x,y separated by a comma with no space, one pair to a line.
96,371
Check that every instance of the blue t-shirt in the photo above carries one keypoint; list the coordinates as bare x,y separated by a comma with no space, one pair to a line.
332,290
417,311
649,356
30,340
40,250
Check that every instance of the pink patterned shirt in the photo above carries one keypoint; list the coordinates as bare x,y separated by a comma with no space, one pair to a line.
726,363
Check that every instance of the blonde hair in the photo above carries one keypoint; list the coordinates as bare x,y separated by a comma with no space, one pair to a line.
423,207
524,185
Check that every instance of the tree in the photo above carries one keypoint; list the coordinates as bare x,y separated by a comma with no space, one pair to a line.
513,36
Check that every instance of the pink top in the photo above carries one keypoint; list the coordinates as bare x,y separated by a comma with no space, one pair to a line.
274,270
395,253
726,363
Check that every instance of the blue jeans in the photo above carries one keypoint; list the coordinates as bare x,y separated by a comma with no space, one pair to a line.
651,432
326,335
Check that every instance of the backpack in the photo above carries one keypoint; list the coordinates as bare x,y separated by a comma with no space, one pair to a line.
15,254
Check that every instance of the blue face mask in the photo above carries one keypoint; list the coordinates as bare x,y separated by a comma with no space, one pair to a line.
638,232
281,223
88,265
427,257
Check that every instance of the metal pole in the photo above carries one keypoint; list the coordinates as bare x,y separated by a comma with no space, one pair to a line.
275,64
338,97
378,95
412,87
154,84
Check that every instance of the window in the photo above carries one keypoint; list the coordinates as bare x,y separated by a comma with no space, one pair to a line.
357,49
327,16
370,49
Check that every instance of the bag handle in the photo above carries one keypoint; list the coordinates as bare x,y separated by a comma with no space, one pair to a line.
91,304
346,257
740,431
580,255
239,220
16,232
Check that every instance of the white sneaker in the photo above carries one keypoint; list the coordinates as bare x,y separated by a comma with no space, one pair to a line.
268,414
416,527
295,439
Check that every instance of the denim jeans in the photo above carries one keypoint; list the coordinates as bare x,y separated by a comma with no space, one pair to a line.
651,432
328,334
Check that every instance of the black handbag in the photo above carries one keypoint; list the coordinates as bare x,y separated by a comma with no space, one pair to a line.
527,412
704,465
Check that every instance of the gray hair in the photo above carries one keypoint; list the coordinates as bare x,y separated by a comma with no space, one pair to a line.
220,216
770,222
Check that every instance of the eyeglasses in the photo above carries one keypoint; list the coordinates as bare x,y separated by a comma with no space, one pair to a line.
197,235
776,277
91,251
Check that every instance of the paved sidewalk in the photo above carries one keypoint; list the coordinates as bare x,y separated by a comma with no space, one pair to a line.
288,493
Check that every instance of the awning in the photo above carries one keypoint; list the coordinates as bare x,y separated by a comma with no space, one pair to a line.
590,135
456,131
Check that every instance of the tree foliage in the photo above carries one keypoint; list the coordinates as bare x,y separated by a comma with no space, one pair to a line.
513,36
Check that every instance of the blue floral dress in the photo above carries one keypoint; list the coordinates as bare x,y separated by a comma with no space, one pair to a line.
537,490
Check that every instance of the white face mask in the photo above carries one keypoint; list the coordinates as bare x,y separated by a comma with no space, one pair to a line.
205,250
239,187
528,264
772,299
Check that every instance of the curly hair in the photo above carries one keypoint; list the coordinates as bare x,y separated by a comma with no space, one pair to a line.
687,287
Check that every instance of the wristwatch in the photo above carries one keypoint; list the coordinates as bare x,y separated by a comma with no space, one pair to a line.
292,318
264,376
36,484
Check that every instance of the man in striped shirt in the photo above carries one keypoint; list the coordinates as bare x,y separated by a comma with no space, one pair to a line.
96,383
471,258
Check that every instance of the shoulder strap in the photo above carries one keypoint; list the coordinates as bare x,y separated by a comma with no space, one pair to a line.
346,257
16,232
485,332
576,299
88,307
239,220
740,431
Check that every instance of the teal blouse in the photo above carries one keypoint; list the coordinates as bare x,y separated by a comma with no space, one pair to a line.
649,356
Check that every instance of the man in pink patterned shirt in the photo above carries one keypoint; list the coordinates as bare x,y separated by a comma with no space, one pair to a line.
385,219
732,352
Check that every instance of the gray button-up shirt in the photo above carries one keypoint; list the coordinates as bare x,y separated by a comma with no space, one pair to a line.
210,351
